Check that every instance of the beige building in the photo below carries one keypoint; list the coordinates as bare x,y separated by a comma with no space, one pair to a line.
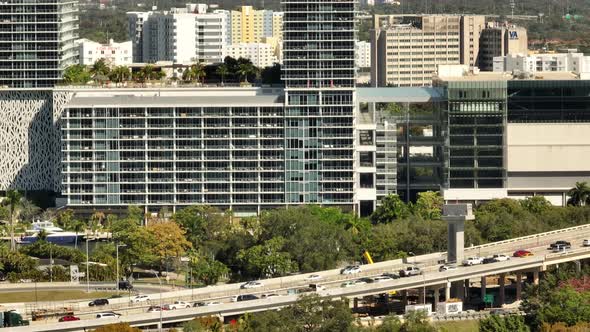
500,39
407,49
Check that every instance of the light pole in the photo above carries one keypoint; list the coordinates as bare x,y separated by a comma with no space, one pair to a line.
87,270
117,281
160,282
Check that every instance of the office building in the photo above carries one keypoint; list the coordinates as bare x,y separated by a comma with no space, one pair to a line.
538,63
261,54
114,54
500,39
135,22
407,49
37,41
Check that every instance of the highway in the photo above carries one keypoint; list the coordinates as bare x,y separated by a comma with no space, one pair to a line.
332,279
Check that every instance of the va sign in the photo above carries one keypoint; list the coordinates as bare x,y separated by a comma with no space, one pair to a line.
513,35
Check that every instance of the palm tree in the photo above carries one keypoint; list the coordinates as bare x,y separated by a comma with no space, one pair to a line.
245,69
13,201
100,68
78,227
120,74
222,70
579,195
96,220
194,72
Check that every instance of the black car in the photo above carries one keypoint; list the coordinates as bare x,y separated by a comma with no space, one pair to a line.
391,275
561,243
126,285
488,260
98,302
246,297
199,304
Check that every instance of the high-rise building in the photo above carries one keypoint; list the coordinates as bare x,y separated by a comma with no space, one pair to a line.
407,49
543,62
319,73
181,35
261,54
499,39
37,41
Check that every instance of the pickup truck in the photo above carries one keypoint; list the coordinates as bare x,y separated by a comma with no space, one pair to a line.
410,271
310,288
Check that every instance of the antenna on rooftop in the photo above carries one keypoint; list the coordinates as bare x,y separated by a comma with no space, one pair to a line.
512,6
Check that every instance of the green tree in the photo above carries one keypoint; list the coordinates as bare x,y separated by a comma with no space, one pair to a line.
205,226
207,270
117,327
416,321
391,323
428,205
391,208
76,74
139,242
495,323
536,204
13,200
566,305
120,74
579,194
267,260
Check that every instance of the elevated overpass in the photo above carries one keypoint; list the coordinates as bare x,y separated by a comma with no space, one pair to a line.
432,278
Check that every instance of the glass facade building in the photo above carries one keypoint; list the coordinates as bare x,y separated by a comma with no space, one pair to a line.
319,74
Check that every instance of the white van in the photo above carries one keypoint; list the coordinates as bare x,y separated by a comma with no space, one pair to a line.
107,315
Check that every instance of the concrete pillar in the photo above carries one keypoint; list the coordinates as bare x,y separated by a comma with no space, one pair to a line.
455,215
436,296
448,291
578,266
466,288
502,295
536,277
355,303
483,288
458,289
518,285
404,298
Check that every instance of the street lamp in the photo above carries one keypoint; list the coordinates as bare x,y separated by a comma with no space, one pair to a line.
117,281
160,282
87,269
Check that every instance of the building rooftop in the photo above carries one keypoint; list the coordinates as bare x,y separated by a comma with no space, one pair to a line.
402,94
507,76
163,101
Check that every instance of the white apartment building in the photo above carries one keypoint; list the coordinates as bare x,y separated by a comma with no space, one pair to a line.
363,54
115,54
181,35
260,54
571,61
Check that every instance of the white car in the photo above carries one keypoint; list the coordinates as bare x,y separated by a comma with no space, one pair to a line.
208,304
140,298
500,258
359,282
586,243
447,267
350,270
313,277
382,279
472,261
107,315
179,305
348,284
251,284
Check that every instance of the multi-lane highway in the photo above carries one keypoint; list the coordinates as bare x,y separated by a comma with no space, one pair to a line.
332,279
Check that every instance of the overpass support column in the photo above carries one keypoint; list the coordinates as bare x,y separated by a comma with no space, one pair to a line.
502,295
436,297
518,285
536,277
483,288
466,289
404,298
578,266
448,291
